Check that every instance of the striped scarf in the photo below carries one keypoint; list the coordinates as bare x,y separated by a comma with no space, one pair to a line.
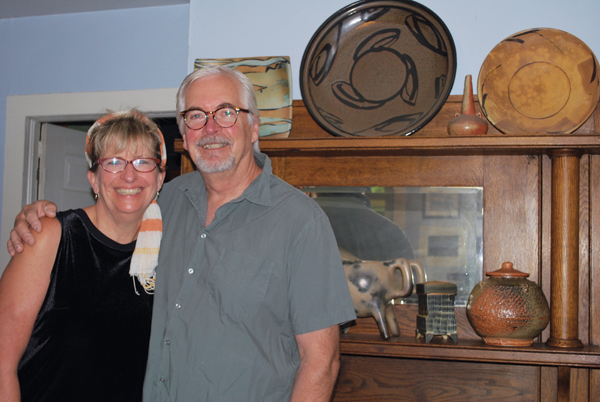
145,256
147,246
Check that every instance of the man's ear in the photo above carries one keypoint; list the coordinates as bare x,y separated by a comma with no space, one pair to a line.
185,144
255,129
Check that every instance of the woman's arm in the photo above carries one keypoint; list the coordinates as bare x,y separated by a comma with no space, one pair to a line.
23,287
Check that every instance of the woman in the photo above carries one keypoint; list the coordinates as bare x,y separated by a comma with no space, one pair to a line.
75,308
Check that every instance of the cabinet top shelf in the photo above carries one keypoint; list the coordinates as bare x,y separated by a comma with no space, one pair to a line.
484,144
468,350
433,139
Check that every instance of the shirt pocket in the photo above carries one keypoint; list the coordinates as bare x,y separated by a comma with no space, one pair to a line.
239,283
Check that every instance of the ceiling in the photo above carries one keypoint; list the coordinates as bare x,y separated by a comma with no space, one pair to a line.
31,8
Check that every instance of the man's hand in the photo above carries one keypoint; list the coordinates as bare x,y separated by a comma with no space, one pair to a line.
29,218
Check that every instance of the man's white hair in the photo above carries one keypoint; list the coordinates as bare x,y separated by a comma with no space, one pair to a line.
246,88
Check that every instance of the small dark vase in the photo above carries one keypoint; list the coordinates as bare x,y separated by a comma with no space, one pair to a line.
468,122
507,309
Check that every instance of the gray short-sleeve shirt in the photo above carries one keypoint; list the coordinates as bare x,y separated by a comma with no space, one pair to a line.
231,297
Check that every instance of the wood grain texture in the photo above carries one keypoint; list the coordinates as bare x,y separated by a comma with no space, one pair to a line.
365,379
304,126
579,390
594,233
278,166
563,384
390,171
564,303
548,388
546,234
584,250
594,274
511,228
594,385
467,350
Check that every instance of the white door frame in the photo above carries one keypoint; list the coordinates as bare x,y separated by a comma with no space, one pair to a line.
24,116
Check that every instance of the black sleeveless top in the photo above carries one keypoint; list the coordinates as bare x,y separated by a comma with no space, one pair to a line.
90,339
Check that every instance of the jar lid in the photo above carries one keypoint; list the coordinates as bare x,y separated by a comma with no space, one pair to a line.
507,271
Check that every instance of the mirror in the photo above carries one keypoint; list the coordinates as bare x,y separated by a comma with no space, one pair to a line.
439,226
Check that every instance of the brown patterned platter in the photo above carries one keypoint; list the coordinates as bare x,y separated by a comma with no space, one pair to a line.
378,68
540,80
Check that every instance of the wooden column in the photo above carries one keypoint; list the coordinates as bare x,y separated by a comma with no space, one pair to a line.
564,304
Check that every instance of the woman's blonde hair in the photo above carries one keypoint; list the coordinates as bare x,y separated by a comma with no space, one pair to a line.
117,131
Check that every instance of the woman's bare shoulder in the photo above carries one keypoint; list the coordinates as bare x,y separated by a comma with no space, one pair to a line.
51,231
46,241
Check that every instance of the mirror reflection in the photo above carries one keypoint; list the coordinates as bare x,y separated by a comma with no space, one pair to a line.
440,227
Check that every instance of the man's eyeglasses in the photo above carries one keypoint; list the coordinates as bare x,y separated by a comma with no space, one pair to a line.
116,165
225,116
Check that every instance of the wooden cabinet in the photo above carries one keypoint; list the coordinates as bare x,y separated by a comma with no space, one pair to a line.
541,211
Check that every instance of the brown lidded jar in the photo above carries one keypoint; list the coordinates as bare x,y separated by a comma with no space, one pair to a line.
507,309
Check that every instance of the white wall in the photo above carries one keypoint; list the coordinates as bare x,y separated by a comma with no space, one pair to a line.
285,27
66,55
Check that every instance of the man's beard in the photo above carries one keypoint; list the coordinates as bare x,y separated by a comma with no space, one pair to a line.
216,165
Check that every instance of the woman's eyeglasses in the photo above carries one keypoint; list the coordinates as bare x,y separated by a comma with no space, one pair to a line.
116,165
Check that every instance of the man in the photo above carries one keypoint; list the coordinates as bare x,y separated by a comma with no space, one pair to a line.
250,288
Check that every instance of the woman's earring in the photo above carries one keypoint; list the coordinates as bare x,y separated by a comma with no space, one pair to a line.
95,196
157,194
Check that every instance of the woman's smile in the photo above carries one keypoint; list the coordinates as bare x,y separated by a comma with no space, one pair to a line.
128,191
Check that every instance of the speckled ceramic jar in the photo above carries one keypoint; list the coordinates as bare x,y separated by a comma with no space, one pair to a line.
507,309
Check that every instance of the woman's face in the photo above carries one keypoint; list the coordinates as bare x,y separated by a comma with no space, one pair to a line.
126,194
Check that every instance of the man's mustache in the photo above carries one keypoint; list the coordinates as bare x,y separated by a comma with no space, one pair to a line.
215,139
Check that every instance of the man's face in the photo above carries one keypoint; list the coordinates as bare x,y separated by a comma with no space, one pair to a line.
215,149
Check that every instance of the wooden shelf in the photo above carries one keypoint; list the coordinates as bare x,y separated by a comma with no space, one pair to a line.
468,351
427,146
420,145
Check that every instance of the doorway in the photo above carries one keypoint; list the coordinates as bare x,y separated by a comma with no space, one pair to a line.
26,113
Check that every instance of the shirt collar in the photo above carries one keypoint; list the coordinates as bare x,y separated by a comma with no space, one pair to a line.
258,192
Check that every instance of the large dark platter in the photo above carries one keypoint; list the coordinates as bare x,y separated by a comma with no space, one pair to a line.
378,68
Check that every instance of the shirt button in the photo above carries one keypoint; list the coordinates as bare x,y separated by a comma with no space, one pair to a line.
167,342
190,271
177,305
203,235
161,379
